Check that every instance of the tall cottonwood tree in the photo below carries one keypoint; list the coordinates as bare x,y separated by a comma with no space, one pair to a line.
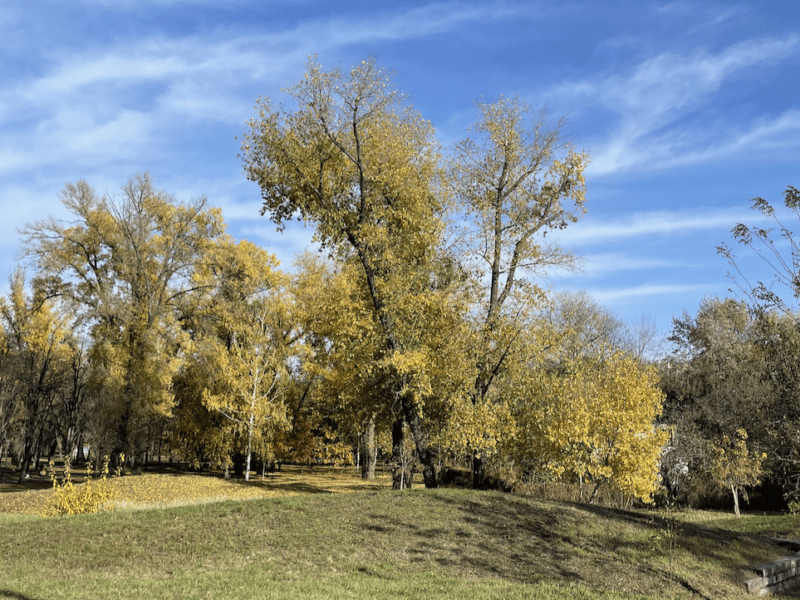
344,340
361,165
517,181
348,348
126,263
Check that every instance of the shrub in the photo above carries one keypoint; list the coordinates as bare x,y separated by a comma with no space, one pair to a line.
89,497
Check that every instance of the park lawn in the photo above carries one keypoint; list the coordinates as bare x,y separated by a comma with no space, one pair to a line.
376,543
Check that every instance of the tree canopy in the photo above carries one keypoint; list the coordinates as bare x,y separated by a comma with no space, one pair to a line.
422,333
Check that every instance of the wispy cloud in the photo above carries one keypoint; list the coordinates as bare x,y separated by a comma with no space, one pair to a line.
589,230
662,90
677,149
103,101
599,265
643,291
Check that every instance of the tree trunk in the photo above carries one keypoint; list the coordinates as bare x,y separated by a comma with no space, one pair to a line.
54,447
421,441
37,458
25,463
370,450
79,455
594,491
399,480
735,500
478,471
249,446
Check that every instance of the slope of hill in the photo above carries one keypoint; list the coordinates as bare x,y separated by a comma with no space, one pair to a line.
373,544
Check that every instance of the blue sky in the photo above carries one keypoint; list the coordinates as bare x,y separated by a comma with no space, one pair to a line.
688,110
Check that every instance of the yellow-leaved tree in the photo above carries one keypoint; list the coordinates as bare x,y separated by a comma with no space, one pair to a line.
251,374
344,341
356,161
126,264
231,388
517,180
594,418
356,380
734,467
36,334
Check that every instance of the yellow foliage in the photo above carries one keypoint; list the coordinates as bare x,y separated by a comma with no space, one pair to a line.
483,427
162,490
733,465
89,497
596,420
124,264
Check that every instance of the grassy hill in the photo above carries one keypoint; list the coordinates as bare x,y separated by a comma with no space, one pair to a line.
446,543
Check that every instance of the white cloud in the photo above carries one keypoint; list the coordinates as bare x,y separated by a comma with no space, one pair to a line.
81,71
680,148
74,135
666,88
594,266
601,264
646,290
669,83
236,54
731,12
653,224
96,106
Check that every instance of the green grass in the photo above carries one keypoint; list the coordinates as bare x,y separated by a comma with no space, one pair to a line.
779,526
380,544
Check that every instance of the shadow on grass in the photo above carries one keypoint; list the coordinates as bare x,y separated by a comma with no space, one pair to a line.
458,533
512,538
733,553
295,487
15,595
10,486
506,537
697,537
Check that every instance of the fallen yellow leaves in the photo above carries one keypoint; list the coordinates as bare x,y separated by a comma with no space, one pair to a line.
164,490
